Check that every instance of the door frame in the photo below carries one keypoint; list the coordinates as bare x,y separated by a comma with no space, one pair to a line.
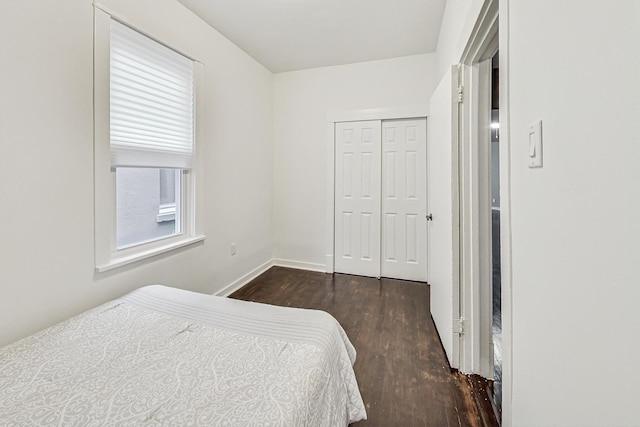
333,117
475,335
490,32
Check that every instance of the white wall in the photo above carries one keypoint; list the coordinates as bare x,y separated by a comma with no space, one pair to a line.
302,100
46,183
576,233
458,20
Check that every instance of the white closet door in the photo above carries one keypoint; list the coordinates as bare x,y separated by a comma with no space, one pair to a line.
404,200
357,189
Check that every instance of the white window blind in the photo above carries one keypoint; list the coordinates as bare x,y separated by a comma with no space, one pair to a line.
151,90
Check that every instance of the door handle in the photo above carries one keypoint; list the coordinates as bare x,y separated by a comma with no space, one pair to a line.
429,217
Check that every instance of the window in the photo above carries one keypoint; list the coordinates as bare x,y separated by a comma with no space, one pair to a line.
145,155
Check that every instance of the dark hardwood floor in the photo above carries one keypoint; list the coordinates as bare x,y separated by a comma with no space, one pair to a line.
401,368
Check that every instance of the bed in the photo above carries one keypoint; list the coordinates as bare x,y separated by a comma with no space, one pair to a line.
165,356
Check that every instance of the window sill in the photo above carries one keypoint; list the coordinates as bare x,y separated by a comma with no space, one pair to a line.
121,261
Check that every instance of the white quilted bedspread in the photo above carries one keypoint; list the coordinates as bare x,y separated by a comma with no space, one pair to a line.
162,356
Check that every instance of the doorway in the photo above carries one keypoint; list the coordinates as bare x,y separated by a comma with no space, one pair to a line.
483,197
496,287
380,204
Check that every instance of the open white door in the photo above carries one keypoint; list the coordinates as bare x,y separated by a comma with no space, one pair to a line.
443,203
357,198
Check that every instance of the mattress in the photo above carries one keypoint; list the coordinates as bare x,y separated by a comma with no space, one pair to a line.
164,356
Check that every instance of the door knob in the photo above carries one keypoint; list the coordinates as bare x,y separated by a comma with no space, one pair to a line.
429,217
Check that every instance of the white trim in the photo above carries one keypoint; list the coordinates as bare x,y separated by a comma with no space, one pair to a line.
242,281
456,315
195,197
116,262
427,172
506,278
475,220
330,200
299,265
408,112
472,281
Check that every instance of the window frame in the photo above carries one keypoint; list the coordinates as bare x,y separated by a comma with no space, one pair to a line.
107,255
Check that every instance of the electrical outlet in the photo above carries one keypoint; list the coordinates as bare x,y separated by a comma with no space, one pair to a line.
234,249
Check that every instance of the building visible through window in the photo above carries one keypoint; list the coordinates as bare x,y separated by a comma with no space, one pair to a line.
146,205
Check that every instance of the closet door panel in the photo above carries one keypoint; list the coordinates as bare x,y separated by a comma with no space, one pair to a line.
404,198
357,199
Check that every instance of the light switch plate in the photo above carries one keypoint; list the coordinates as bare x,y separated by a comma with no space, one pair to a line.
534,150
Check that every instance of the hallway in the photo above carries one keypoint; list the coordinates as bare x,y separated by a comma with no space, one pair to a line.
497,310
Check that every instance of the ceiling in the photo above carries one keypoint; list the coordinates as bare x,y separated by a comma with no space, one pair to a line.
287,35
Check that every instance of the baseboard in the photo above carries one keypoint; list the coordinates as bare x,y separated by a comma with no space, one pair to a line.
234,286
321,268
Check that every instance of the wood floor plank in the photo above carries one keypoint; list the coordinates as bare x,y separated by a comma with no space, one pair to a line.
403,374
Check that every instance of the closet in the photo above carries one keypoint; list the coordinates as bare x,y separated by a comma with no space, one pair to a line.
380,219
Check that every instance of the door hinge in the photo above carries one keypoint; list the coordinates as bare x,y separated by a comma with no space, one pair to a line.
458,326
460,93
